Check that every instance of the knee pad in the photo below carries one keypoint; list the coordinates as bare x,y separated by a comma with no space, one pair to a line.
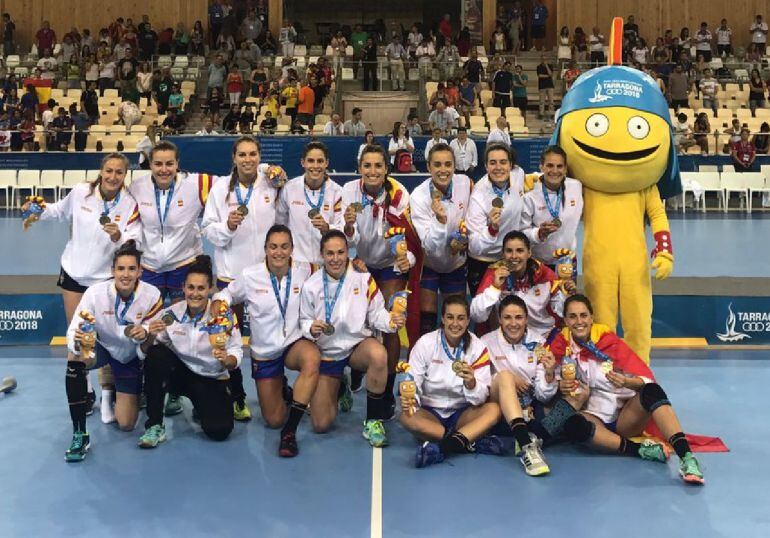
579,429
653,396
427,322
557,418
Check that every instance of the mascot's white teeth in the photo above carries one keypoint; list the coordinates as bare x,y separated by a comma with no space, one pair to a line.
615,156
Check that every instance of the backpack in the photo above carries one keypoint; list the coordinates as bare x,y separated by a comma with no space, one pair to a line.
402,163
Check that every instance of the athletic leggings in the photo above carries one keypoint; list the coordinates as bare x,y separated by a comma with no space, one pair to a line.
210,397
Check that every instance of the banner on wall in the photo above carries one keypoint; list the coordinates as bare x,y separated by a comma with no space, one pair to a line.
31,319
471,16
57,160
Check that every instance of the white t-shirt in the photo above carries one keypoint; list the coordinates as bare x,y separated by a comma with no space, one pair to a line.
757,34
596,42
724,36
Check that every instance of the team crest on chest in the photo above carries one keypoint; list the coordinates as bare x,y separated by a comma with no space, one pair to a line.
572,203
355,291
180,203
267,199
537,292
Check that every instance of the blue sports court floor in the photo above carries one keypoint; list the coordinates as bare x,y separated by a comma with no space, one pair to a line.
340,487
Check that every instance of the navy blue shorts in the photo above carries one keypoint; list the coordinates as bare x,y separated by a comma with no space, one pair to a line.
449,423
128,376
333,368
222,284
268,369
453,282
387,273
170,283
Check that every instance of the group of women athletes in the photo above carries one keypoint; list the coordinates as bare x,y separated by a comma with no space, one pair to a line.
540,371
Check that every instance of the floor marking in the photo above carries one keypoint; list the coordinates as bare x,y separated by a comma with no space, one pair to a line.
376,517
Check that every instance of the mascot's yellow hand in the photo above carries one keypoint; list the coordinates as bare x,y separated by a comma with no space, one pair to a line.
663,265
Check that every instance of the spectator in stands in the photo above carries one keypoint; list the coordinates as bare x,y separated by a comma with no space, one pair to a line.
467,96
129,114
334,127
127,68
473,68
338,44
442,119
258,80
181,39
701,130
413,40
658,80
545,87
14,121
708,89
267,43
197,40
214,104
724,39
355,125
217,73
369,59
306,104
148,42
464,42
703,41
45,38
246,120
245,57
425,53
735,135
176,99
231,119
290,97
273,103
447,59
5,132
571,75
759,34
435,139
81,122
48,65
500,132
173,124
413,127
106,75
10,99
131,35
498,43
683,136
640,52
89,102
678,88
234,84
144,81
502,84
161,89
445,27
71,72
28,102
564,50
166,41
287,38
743,153
580,45
119,51
438,95
596,46
269,125
27,130
756,91
68,48
761,140
297,129
216,18
661,54
466,154
539,19
399,141
396,54
251,26
208,128
9,31
46,119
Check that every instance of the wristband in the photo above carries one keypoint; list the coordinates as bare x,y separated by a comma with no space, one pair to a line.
663,244
492,230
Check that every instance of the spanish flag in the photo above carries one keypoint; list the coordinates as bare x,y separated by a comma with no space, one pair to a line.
204,187
154,310
482,361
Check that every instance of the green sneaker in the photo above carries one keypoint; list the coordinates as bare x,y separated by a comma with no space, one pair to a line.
153,436
241,411
690,470
345,399
652,451
173,405
81,442
374,432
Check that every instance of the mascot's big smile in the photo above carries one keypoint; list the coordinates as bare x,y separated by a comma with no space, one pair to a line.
615,156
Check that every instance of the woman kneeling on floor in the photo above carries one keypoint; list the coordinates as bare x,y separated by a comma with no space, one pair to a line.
450,368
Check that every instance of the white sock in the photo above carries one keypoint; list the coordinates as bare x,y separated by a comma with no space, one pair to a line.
106,406
88,381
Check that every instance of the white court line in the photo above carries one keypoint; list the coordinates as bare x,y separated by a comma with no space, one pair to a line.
376,516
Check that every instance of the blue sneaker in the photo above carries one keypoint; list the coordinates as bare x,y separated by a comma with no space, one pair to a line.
491,445
427,454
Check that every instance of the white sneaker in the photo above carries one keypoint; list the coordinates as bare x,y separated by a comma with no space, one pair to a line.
532,459
107,406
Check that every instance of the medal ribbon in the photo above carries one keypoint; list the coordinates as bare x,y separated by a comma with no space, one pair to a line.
317,206
498,191
559,195
277,292
458,350
194,319
590,346
330,304
367,200
248,194
444,196
111,206
169,195
128,302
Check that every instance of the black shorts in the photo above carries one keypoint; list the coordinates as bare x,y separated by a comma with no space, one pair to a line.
68,283
538,32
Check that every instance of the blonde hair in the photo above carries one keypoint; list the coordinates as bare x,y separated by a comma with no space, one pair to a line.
110,156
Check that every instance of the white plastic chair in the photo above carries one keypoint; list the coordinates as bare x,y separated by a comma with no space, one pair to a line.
71,179
7,183
733,182
26,180
755,182
709,182
50,180
91,175
708,168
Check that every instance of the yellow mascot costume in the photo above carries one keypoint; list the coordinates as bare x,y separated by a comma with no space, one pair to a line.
614,125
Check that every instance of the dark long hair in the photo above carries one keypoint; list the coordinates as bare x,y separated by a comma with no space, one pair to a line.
234,174
128,248
532,263
462,301
202,266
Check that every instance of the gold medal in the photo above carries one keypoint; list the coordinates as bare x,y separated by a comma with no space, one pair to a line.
540,352
104,219
242,210
436,195
313,213
497,202
457,366
358,207
328,330
167,318
556,222
607,367
128,329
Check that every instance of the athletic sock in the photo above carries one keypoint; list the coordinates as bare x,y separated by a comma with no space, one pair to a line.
88,381
106,407
296,412
456,443
389,384
629,448
77,387
679,443
376,406
520,431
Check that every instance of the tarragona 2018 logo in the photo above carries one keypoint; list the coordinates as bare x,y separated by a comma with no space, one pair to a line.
739,325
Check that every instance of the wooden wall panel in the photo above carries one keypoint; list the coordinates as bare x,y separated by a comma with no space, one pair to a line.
655,16
95,14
